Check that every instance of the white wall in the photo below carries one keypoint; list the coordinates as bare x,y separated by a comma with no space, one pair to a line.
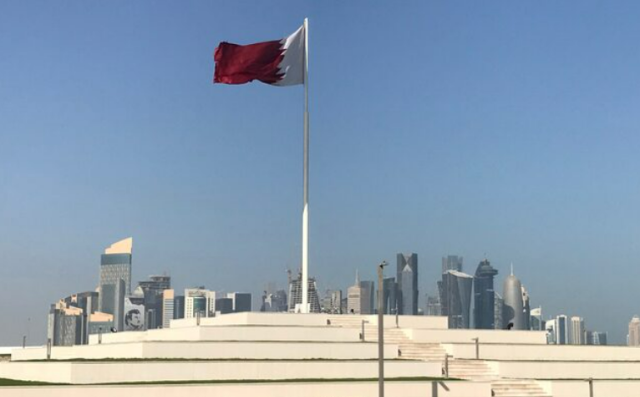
620,388
120,372
567,369
235,333
312,319
514,352
350,389
212,350
466,336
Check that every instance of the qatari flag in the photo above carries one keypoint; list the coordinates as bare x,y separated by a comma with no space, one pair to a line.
278,62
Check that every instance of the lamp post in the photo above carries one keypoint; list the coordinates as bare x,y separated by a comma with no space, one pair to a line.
381,330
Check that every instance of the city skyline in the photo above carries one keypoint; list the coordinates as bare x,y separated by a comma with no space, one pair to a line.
516,139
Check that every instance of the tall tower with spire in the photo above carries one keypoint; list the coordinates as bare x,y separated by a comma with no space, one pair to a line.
513,303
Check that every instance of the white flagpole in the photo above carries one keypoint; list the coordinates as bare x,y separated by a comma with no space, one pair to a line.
305,208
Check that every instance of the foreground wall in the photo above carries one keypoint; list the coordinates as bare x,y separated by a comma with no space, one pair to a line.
350,389
312,320
212,350
485,336
156,371
235,333
567,370
601,388
514,352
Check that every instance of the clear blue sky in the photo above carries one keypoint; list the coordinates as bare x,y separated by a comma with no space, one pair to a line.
501,128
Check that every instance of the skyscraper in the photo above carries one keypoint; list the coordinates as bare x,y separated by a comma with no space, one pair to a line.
526,309
168,307
407,277
115,279
241,301
331,302
577,331
433,307
455,298
178,307
65,324
199,301
633,339
537,323
389,295
513,306
403,261
451,262
484,294
354,297
561,330
153,301
295,294
274,301
498,308
367,299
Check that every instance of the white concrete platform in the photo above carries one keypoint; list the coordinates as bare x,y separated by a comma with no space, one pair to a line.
235,333
528,352
485,336
156,371
314,389
313,320
212,350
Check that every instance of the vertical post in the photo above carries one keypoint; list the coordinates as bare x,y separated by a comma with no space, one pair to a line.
305,204
397,323
446,366
24,341
590,387
49,349
100,336
381,330
362,338
477,340
198,318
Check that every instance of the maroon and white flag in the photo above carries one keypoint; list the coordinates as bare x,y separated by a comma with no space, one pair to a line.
277,62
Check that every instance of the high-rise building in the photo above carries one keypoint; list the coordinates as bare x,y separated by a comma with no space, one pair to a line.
633,339
65,325
153,299
199,301
115,279
550,327
274,301
433,307
408,286
561,330
178,307
240,301
224,305
331,302
168,307
367,299
484,296
451,262
513,311
598,338
498,308
536,321
455,298
389,304
526,309
295,294
577,331
354,297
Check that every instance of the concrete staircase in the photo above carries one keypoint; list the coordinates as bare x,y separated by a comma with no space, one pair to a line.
517,388
471,370
422,351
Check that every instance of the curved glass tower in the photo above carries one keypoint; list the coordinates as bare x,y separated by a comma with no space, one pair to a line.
484,296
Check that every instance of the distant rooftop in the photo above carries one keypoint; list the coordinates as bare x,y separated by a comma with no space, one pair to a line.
121,247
